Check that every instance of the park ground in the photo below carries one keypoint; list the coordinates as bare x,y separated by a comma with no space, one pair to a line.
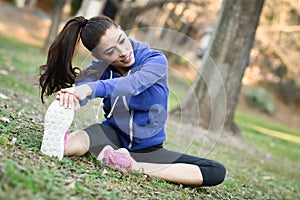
261,164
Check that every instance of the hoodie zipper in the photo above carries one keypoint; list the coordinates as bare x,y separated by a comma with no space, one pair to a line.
130,111
130,122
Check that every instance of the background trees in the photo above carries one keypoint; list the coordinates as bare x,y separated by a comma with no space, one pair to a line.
55,22
214,95
273,62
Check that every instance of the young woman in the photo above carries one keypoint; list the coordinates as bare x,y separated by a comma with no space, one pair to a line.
132,80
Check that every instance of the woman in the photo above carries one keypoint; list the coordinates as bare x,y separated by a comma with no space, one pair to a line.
132,80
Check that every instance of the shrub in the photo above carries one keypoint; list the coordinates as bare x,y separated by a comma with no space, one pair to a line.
260,98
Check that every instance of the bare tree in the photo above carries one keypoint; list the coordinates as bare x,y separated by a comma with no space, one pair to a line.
278,42
55,21
212,101
130,10
30,5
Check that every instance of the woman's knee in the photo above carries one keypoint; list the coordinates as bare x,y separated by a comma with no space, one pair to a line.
77,143
213,173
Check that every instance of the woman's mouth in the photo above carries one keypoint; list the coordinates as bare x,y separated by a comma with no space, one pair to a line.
127,59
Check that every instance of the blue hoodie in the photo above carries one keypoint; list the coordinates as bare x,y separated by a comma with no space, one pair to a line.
135,105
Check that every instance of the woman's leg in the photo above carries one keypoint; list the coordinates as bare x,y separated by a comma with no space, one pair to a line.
78,143
180,168
182,173
93,139
154,161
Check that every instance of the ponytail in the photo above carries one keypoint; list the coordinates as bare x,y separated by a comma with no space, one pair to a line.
58,72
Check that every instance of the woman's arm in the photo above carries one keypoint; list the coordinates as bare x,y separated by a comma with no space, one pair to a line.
150,73
153,69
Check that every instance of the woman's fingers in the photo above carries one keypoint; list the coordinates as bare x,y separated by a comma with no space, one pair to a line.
57,97
70,101
68,90
65,99
76,104
69,96
80,92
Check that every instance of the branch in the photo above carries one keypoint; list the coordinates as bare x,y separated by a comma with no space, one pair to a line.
281,28
116,3
294,5
153,4
265,42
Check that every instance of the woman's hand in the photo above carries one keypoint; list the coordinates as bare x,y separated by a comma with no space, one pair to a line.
71,96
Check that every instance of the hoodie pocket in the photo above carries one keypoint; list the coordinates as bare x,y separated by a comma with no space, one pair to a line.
141,118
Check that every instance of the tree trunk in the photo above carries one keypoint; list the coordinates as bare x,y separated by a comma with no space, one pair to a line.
91,8
214,95
30,5
56,19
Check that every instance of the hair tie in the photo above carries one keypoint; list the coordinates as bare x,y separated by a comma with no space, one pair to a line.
84,23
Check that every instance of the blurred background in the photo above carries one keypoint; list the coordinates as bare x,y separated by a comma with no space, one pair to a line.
270,83
262,161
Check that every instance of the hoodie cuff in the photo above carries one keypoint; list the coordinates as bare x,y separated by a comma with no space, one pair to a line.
98,89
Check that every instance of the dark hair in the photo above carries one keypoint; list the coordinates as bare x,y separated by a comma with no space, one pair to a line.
58,72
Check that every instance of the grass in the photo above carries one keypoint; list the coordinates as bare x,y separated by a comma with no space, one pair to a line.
267,169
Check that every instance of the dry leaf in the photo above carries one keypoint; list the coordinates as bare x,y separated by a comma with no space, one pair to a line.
2,96
5,119
104,172
13,141
71,185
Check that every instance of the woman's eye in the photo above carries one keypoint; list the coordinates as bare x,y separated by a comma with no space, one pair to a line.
109,53
122,41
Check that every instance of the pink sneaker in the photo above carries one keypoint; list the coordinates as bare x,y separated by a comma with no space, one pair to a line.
56,127
66,138
120,158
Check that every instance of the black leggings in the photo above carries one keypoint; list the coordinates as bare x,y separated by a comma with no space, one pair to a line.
100,135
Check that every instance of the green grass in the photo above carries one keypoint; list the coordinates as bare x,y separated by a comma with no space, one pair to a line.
179,87
267,169
286,151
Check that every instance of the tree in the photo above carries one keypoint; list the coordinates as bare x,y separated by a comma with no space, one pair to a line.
214,95
278,42
127,19
55,21
30,5
90,8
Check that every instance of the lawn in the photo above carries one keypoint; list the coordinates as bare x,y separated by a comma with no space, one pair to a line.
268,168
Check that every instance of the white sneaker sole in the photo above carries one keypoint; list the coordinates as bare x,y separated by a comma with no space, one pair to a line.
57,121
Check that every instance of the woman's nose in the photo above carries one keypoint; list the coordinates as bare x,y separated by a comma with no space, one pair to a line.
122,51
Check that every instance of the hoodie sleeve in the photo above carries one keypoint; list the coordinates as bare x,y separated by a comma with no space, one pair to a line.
90,74
152,70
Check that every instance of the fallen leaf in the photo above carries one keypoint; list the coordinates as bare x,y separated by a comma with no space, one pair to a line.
4,72
13,141
5,119
268,177
2,96
21,168
104,172
71,185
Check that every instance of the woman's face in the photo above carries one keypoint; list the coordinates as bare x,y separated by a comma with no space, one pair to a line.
115,48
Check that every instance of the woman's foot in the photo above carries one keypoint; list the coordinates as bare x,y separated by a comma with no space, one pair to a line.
120,158
56,125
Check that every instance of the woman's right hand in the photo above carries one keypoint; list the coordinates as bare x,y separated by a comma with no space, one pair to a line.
71,96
